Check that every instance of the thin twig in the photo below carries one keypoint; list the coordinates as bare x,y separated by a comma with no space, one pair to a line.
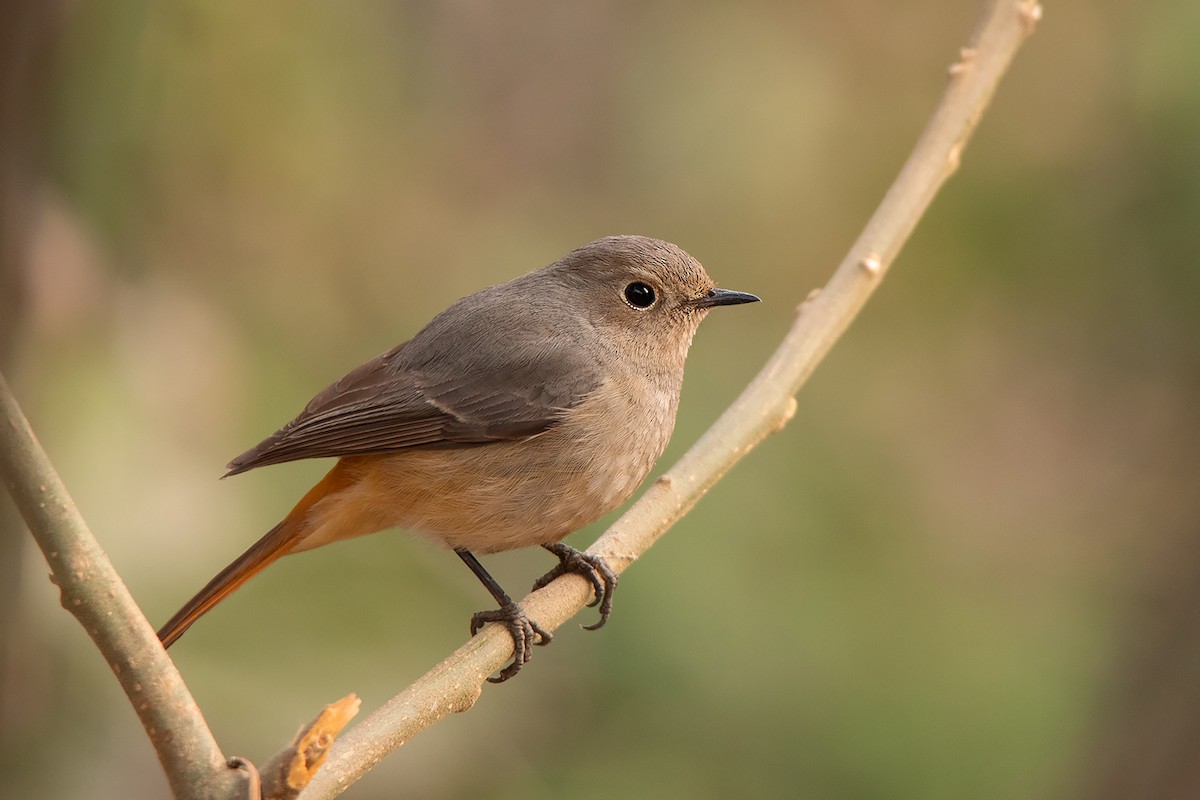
765,406
91,590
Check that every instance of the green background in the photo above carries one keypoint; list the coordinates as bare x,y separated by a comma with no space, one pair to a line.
965,569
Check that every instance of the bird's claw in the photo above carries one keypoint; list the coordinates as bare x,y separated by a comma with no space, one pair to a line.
593,568
524,632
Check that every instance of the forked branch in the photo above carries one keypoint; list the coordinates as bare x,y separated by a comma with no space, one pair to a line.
195,767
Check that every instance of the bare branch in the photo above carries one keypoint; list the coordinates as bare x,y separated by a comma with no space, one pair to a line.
91,590
765,406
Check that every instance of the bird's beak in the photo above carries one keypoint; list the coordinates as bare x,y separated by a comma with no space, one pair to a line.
722,297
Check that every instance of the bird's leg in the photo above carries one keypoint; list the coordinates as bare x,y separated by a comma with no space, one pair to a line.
524,631
592,567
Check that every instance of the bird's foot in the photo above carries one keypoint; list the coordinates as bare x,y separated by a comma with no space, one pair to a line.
592,567
524,631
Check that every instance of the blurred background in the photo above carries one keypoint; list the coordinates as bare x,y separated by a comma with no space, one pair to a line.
970,567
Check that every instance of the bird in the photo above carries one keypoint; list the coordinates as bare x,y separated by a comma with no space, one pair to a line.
517,416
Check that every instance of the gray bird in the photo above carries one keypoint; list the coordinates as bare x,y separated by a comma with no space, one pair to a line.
518,415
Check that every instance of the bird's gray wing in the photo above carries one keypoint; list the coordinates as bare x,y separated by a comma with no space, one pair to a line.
390,404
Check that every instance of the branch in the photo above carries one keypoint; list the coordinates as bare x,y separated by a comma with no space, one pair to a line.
764,406
92,591
290,771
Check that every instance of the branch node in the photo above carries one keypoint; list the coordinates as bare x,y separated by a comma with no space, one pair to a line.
812,295
785,416
468,700
1029,12
966,57
954,158
292,769
253,781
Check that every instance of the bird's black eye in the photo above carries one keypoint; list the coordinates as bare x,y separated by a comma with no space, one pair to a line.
639,295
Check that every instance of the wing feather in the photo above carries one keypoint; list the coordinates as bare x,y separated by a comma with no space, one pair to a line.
388,404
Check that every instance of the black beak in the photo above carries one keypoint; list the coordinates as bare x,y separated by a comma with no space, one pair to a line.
722,297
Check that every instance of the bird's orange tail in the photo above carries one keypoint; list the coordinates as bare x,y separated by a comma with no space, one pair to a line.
279,541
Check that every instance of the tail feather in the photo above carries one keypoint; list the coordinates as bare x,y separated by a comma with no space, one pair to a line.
276,543
279,541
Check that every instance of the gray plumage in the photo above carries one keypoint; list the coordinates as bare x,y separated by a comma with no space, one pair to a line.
518,415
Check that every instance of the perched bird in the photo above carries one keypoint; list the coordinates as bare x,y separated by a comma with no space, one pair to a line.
518,415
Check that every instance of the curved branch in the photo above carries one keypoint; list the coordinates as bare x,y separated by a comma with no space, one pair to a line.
92,591
765,406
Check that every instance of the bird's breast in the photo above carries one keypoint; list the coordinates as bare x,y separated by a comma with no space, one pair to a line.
513,494
620,431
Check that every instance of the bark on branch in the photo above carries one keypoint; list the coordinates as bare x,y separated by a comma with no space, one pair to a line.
765,406
92,591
